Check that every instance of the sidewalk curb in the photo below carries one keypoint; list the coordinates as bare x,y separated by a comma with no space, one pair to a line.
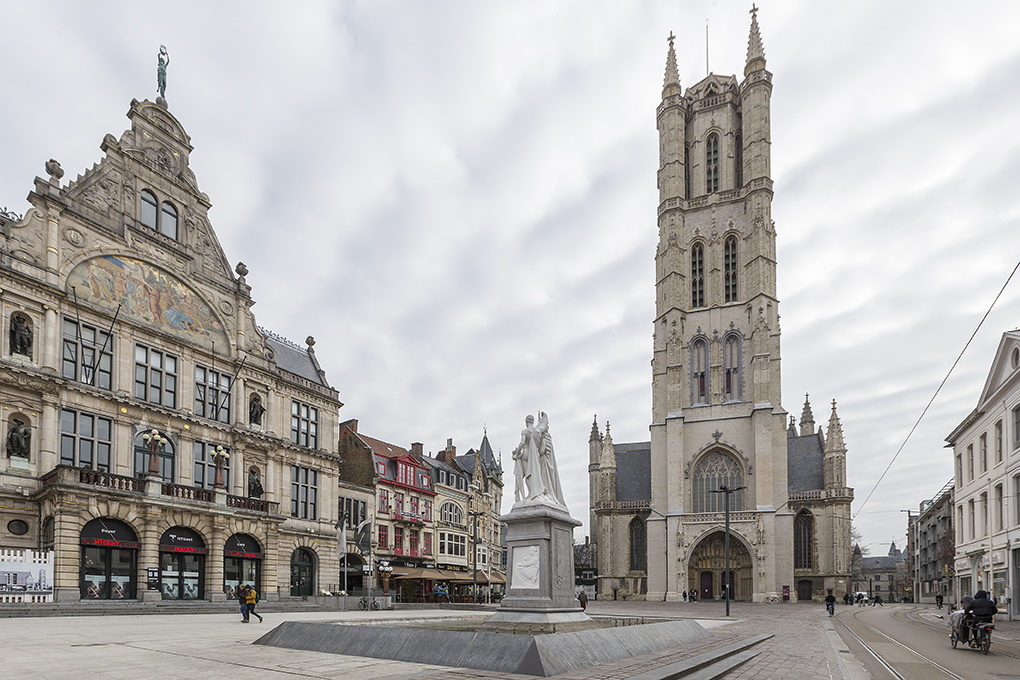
849,666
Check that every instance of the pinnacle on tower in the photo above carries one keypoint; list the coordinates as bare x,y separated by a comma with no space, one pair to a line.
792,430
595,434
755,49
608,452
807,419
834,436
672,75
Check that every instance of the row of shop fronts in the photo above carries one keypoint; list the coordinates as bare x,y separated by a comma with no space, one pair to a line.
110,568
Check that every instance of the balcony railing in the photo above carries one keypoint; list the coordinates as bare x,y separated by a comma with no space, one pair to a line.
821,494
66,474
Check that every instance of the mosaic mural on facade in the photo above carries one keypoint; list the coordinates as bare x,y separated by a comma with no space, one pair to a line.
148,295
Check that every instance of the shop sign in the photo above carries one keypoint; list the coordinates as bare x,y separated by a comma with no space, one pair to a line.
182,540
110,533
243,545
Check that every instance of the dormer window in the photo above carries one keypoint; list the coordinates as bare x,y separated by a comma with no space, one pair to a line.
158,218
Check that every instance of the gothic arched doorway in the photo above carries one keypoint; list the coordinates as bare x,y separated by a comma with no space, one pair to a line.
706,568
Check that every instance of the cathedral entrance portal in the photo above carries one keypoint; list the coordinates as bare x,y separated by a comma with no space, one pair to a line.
707,566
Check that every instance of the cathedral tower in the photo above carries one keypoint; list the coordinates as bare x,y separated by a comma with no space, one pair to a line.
717,418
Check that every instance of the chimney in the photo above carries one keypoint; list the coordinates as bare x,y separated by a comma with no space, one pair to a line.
417,450
351,425
449,453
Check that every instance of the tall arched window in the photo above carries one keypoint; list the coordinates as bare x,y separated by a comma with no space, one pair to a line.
450,513
638,545
712,471
712,164
165,454
803,536
148,215
168,221
730,269
699,371
687,171
697,275
731,367
738,161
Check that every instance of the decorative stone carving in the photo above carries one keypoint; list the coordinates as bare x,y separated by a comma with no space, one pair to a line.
21,335
255,410
19,439
255,489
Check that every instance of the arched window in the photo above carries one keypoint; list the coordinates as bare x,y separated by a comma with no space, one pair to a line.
165,454
699,371
687,171
302,573
148,215
638,545
731,367
712,164
730,269
697,275
168,221
803,536
712,471
452,514
738,161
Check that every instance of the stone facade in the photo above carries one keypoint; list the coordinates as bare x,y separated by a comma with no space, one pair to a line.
153,429
986,450
717,419
932,545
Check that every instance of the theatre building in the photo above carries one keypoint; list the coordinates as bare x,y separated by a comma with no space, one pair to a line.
158,443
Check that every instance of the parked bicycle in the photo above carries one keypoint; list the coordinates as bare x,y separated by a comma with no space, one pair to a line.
367,603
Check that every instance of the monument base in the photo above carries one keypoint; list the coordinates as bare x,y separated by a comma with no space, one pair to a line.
540,566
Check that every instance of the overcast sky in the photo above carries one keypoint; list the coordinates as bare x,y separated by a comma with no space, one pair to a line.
458,200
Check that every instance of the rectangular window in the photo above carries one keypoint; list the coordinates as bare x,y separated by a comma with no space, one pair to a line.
1016,427
212,394
412,538
398,503
426,544
85,440
413,500
384,501
304,492
970,462
398,539
87,355
984,514
304,425
1016,502
426,510
971,519
998,442
205,466
155,376
384,537
356,511
999,524
959,469
983,446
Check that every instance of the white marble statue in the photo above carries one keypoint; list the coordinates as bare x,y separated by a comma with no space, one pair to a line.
535,474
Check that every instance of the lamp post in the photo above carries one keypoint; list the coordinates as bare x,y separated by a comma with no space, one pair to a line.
220,456
474,550
726,491
155,441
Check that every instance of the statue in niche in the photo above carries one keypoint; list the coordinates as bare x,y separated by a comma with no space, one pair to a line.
535,474
164,60
19,439
21,335
255,489
255,410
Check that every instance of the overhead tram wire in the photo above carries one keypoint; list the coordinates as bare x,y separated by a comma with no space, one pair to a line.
937,390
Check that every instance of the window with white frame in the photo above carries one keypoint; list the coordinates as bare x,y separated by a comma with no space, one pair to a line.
983,448
998,441
451,513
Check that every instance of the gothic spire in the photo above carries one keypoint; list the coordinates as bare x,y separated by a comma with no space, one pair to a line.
595,434
755,49
834,437
807,419
672,75
608,452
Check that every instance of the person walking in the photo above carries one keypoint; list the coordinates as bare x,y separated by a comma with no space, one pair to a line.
252,599
242,598
938,600
582,597
877,600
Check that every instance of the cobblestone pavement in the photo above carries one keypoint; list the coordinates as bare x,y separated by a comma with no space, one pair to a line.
211,646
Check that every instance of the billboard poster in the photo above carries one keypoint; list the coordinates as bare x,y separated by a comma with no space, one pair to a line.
26,576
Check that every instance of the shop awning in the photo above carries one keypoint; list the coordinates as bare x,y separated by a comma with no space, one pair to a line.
481,577
420,573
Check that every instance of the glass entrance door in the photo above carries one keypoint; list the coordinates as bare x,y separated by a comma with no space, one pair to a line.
180,576
302,573
107,573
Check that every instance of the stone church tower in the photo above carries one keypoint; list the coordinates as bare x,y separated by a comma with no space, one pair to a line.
717,416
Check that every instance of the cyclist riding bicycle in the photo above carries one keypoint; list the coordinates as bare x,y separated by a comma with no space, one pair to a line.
830,603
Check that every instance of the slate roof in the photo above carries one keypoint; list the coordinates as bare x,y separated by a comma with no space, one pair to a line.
296,360
804,463
633,471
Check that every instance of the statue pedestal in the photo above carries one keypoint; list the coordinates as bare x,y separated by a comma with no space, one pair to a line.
540,569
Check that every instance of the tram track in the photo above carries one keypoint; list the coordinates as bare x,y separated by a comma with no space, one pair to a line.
899,668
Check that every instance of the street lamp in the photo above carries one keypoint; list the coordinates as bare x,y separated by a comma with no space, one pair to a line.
727,577
474,549
220,457
155,441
